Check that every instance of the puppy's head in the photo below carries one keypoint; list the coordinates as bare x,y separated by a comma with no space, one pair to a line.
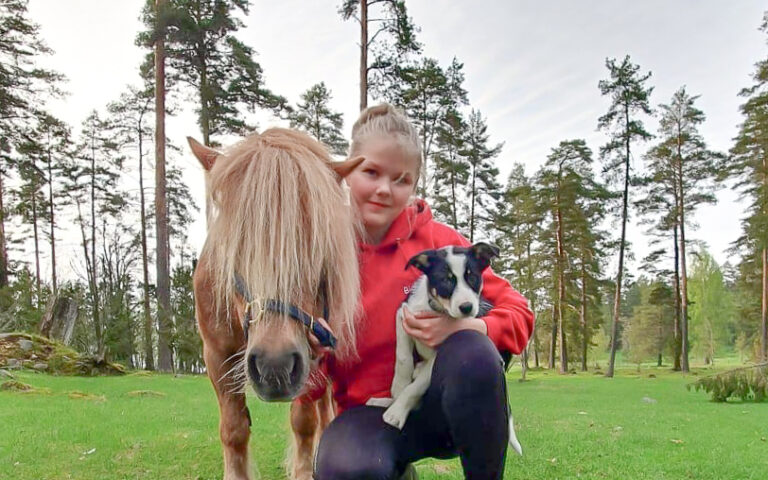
454,276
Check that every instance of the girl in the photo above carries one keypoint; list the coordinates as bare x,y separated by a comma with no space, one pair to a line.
464,411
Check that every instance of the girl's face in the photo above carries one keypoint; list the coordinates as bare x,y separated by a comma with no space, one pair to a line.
382,184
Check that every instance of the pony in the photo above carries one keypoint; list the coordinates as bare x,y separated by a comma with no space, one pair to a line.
280,230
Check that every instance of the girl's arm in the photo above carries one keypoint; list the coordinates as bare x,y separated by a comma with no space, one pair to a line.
510,321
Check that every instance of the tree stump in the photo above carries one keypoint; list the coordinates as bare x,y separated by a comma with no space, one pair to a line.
58,321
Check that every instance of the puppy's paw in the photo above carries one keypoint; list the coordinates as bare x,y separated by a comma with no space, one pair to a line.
379,402
396,417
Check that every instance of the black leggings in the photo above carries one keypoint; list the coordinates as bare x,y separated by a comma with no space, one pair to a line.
463,412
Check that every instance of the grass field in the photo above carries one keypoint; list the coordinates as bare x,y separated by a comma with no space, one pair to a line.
571,426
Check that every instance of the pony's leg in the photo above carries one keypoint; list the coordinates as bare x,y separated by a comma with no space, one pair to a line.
234,420
327,411
305,421
308,421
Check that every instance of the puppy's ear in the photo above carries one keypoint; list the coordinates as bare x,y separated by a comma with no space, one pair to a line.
484,252
422,261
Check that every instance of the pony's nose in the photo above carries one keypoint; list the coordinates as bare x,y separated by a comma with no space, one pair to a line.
465,308
275,376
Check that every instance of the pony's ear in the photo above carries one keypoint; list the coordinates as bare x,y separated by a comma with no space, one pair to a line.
206,155
484,252
344,168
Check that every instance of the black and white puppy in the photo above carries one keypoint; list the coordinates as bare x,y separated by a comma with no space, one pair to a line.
451,285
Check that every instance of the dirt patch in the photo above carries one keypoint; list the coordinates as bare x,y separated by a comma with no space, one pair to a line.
145,393
20,387
86,396
22,350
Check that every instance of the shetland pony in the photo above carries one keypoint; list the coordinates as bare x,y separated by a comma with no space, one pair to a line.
279,223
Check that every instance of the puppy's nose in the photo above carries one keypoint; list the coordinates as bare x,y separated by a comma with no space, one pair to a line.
465,308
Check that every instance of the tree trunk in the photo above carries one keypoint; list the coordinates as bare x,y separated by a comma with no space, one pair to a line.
94,260
472,208
363,54
684,367
561,288
36,238
454,208
764,309
3,250
553,340
764,303
165,355
149,354
677,335
583,314
622,245
52,224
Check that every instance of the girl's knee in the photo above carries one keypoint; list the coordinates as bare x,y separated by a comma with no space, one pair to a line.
356,445
468,364
351,467
470,354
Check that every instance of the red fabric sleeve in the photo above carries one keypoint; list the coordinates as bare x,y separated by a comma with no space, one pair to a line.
510,321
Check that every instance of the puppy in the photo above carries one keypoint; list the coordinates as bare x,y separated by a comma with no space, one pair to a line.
451,285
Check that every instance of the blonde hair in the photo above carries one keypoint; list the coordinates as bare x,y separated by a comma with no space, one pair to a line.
281,226
385,120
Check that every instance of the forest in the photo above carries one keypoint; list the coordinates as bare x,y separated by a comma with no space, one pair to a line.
114,183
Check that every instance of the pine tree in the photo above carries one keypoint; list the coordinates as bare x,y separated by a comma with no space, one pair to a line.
693,168
187,342
23,86
314,116
92,185
649,331
429,96
568,195
629,99
658,210
131,115
749,164
204,54
392,42
30,197
520,224
451,172
483,188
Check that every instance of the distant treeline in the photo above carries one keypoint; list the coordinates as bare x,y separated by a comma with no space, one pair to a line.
561,229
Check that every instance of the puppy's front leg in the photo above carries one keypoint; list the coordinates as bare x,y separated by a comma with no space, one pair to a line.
403,357
397,414
403,364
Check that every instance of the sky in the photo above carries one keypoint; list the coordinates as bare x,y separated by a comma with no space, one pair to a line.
531,68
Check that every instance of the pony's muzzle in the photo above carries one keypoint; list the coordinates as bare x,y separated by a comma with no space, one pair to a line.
277,377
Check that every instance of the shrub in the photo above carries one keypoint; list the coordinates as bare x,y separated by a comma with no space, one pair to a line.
748,383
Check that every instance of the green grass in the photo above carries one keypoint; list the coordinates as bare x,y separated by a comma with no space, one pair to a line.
571,426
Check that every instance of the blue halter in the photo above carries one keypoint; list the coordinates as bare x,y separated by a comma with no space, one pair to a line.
323,335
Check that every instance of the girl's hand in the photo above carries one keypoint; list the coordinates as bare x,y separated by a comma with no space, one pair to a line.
318,350
432,328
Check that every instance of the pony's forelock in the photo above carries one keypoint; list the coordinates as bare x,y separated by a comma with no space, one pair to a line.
282,224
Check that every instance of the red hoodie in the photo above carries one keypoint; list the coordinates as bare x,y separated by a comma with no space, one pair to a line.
385,283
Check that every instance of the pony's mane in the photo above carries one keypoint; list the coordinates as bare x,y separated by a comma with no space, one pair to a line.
281,222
